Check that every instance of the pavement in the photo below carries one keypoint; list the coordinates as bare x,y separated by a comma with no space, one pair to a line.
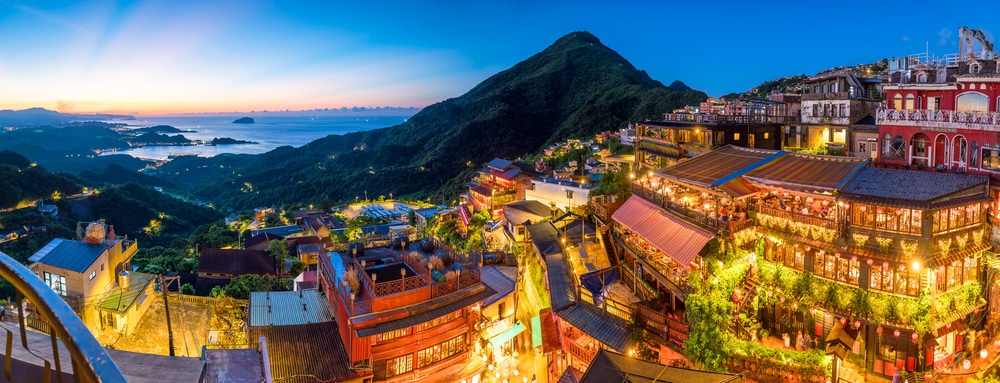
190,324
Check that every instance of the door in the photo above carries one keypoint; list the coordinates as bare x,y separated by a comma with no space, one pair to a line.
873,149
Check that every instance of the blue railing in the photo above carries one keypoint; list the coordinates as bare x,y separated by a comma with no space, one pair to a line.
91,362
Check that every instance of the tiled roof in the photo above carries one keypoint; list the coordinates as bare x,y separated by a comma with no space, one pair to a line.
498,281
719,166
307,353
286,308
261,238
562,292
67,254
509,174
597,326
894,187
236,261
284,231
808,173
545,238
425,316
499,163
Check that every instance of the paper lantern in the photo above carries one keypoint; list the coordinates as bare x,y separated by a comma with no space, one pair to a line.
854,258
857,324
896,333
843,321
870,261
878,329
914,336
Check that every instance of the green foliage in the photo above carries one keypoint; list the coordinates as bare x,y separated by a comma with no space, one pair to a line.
19,181
160,260
278,248
131,208
809,362
217,235
709,341
613,183
616,147
240,288
297,267
187,289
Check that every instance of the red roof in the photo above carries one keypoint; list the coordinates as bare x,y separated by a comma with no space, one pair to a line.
550,331
808,173
677,239
235,261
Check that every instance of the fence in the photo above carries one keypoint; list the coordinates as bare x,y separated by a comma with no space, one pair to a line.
674,332
38,324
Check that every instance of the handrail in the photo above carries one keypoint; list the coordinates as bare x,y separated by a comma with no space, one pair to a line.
91,362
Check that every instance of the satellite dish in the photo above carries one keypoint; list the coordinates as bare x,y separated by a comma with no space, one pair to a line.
95,234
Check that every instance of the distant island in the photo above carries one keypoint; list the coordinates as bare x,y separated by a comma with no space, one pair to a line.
229,141
244,120
157,129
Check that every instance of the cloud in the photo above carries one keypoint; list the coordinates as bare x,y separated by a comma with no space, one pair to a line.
906,38
945,35
48,17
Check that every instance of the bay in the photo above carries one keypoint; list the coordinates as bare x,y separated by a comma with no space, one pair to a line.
269,132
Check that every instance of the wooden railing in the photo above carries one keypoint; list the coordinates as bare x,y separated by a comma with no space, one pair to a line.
796,217
618,311
578,351
672,331
761,369
681,284
693,216
382,289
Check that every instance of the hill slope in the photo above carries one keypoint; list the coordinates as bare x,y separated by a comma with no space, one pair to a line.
574,88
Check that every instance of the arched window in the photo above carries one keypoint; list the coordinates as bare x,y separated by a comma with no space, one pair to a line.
897,102
909,102
886,141
975,67
972,102
922,77
897,148
826,88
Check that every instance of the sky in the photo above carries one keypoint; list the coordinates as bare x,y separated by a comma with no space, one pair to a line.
157,57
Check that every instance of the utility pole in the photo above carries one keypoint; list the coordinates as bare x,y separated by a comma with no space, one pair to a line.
166,306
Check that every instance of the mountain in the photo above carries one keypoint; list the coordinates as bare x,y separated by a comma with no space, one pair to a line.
37,116
574,88
21,180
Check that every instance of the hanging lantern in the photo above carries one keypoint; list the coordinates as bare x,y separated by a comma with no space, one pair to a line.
914,336
902,267
836,255
896,333
857,324
885,265
863,208
878,329
821,252
796,307
782,299
808,248
870,261
843,321
854,258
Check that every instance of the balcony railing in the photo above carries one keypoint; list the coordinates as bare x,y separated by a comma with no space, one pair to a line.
91,362
698,217
578,351
719,119
841,96
676,283
672,331
940,118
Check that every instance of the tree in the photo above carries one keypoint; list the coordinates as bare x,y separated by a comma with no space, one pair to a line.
297,267
187,289
411,217
278,248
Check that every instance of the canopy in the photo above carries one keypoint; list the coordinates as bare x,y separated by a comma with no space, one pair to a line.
596,281
536,331
680,240
508,334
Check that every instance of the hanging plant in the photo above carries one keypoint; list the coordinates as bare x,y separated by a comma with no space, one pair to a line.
860,239
977,235
944,244
961,240
909,247
884,243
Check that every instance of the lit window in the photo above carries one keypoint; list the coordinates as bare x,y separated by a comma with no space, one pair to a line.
736,136
92,275
766,135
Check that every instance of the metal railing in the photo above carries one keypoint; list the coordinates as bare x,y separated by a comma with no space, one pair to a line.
91,362
970,120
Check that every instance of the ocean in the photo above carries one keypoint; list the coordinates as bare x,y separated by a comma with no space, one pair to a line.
269,132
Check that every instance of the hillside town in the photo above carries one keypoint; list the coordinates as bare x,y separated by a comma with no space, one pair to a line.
842,233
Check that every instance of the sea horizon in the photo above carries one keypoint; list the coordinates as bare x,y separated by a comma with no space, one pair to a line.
268,131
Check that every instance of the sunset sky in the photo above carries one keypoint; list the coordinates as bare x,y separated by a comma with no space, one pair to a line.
155,57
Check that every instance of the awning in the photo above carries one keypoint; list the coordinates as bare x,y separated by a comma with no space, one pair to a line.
508,334
739,188
677,239
536,331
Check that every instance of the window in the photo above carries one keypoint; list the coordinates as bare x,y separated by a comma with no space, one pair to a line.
843,110
972,102
92,275
500,308
736,136
56,282
815,110
897,102
991,159
387,336
934,103
439,352
399,366
766,135
922,77
439,320
975,68
909,102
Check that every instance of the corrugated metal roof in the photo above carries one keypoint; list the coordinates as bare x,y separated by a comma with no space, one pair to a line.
70,255
597,326
307,353
498,281
808,173
425,316
677,239
120,300
499,163
288,308
717,167
613,367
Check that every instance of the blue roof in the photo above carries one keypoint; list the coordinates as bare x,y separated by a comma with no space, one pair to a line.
70,255
428,212
499,281
284,231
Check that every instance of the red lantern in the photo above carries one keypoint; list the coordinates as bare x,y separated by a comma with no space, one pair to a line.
808,248
843,321
854,258
902,267
782,299
857,324
870,261
896,333
914,336
878,329
836,255
885,265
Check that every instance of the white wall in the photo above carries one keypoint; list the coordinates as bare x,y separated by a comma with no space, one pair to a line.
549,193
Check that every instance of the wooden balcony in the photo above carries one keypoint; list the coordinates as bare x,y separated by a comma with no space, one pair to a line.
807,226
697,217
578,351
669,330
678,285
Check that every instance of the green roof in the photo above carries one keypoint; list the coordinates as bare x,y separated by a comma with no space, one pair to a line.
120,300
